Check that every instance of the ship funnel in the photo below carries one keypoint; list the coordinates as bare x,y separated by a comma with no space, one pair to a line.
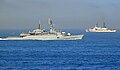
52,28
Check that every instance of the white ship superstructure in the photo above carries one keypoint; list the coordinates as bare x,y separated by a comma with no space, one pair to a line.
100,29
41,34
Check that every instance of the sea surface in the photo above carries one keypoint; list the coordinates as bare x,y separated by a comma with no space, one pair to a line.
96,51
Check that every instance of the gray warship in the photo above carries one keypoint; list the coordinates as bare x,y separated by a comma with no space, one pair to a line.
41,34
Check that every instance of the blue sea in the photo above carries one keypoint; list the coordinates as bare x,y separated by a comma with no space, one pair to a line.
96,51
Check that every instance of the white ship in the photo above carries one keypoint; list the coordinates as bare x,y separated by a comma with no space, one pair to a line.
41,34
100,29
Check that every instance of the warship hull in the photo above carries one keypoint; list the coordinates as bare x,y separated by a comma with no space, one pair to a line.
47,37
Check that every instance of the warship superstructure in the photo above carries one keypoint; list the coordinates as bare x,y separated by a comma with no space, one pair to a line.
41,34
100,29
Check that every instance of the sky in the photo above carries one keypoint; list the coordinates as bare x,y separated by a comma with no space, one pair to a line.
66,14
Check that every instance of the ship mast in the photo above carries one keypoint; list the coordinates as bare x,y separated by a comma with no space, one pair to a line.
39,27
104,26
52,28
96,25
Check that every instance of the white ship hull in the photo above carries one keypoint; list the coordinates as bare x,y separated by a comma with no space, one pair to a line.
90,30
100,29
47,37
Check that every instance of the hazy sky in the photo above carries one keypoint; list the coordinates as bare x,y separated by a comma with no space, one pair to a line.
66,14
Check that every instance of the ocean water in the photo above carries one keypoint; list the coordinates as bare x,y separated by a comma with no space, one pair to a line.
96,51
